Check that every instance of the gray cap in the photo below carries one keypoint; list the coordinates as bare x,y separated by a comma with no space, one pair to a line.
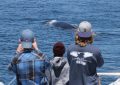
85,26
85,29
27,38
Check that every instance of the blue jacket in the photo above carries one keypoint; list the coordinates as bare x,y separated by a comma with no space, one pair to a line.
30,67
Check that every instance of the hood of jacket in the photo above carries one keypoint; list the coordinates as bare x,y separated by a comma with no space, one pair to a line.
58,64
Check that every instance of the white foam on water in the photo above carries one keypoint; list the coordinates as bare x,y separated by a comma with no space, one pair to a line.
1,83
52,21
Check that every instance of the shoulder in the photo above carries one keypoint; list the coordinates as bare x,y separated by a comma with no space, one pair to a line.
72,46
65,60
94,48
39,55
16,57
96,52
66,63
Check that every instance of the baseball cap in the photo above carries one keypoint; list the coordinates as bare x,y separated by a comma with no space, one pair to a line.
27,38
85,29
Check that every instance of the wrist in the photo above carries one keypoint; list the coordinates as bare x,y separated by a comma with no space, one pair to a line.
17,52
37,51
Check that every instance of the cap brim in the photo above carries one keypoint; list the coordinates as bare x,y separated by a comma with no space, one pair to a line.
85,34
26,44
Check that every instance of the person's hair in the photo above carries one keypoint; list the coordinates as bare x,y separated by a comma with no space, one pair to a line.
88,40
59,49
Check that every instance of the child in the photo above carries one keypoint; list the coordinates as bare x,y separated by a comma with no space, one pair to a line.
59,66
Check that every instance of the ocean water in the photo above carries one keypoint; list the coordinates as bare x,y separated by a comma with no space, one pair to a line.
16,15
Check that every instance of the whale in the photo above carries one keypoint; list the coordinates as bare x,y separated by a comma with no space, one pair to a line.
61,24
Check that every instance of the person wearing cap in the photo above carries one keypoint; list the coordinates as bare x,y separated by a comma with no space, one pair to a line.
29,63
84,58
59,66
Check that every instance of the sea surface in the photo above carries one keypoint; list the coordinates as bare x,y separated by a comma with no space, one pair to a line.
17,15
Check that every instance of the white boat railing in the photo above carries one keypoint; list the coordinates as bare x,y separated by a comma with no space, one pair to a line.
109,74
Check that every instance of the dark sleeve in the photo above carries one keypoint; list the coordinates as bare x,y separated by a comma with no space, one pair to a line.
48,75
47,64
48,69
47,61
99,58
12,65
68,56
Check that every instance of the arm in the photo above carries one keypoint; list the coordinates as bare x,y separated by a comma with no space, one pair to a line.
100,60
14,61
12,65
68,56
48,75
47,68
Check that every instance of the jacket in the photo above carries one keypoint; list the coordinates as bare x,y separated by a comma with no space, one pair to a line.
59,71
29,68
